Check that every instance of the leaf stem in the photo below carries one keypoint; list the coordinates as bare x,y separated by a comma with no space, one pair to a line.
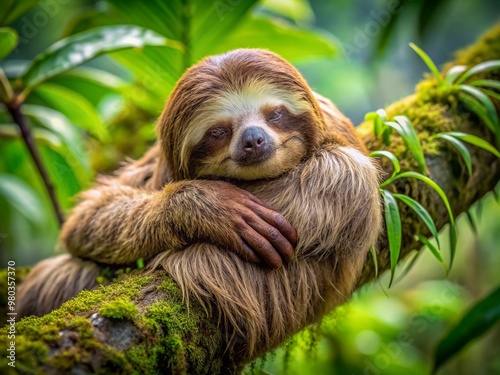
18,117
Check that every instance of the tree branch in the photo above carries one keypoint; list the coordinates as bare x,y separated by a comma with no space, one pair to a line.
18,117
142,324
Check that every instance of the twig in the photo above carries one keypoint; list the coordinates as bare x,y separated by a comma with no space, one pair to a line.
15,111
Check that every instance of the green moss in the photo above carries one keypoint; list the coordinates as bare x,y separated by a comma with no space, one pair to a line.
180,335
20,273
37,336
120,308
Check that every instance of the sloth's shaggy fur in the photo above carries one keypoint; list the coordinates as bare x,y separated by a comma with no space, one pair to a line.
168,208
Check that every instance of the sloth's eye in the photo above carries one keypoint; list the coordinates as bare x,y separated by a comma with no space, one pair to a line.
219,133
276,115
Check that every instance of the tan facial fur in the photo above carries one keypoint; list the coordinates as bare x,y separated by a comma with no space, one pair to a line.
232,113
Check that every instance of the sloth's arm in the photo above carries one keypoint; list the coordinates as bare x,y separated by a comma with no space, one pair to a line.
332,200
117,224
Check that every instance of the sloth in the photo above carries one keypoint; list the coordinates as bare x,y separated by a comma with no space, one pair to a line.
258,200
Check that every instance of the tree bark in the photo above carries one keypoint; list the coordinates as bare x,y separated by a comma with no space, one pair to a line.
141,324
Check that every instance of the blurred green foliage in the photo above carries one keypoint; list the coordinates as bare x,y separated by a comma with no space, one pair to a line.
89,119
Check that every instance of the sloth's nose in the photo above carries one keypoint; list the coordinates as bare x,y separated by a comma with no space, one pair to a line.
253,141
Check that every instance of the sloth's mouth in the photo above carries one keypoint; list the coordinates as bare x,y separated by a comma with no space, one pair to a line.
254,160
248,161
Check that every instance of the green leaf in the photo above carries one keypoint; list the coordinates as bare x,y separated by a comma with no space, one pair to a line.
201,25
405,129
22,197
297,10
206,28
453,73
476,141
74,106
442,195
11,10
428,61
394,160
486,83
460,147
393,226
482,317
483,67
79,48
485,101
421,212
386,135
72,150
8,41
280,37
379,118
94,84
433,250
375,261
476,107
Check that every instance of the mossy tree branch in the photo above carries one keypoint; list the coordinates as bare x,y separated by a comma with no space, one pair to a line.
141,324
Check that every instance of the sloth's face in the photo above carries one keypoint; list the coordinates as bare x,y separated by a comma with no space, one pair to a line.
253,133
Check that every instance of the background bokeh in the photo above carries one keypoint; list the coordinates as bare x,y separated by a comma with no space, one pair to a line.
353,52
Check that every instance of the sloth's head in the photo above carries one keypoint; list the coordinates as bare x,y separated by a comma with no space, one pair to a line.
247,114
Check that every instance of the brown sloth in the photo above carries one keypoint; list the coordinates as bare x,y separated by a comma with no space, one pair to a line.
251,165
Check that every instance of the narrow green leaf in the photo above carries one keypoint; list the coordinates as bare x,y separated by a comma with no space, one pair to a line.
386,135
394,160
472,222
380,121
485,101
375,261
404,127
8,41
476,141
483,67
491,83
421,212
393,226
442,195
479,209
482,317
433,250
377,125
460,147
428,61
409,265
82,47
476,107
453,73
22,197
379,118
492,94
